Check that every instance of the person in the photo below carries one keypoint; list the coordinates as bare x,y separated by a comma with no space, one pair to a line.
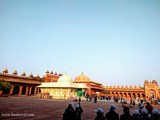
144,114
136,115
156,114
100,114
149,108
79,100
95,99
79,112
140,106
90,98
126,114
69,113
112,115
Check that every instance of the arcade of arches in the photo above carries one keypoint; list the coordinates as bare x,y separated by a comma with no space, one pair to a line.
27,85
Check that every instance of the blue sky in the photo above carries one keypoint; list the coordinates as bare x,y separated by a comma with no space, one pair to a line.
112,42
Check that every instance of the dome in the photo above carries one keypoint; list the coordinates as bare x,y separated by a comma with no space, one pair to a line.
5,70
154,81
37,76
23,74
146,81
65,78
47,72
31,75
82,78
15,72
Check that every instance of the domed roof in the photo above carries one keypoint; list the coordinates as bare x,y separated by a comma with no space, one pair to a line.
51,72
65,78
146,81
31,75
154,81
23,74
5,70
82,78
15,72
47,71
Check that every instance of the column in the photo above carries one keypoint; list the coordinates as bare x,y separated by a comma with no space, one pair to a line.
35,90
30,89
26,90
20,90
11,90
90,91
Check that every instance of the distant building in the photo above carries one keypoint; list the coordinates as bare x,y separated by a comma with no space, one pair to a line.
61,86
94,88
64,88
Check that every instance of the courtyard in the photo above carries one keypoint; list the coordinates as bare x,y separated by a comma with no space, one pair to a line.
24,107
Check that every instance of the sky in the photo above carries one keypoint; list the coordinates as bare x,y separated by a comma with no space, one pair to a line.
115,42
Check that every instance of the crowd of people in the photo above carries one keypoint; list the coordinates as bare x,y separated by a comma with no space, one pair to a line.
144,113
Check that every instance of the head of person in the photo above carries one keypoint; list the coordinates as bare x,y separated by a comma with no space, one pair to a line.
99,112
112,107
148,103
71,105
141,101
77,106
144,111
136,113
126,110
156,113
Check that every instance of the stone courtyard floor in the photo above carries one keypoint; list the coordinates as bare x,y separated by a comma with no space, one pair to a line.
26,108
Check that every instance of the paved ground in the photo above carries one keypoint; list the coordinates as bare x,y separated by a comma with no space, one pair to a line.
18,108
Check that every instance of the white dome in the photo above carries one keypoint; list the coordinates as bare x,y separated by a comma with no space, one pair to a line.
65,78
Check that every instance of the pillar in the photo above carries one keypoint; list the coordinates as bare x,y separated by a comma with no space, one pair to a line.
90,91
11,90
30,89
35,90
20,90
26,91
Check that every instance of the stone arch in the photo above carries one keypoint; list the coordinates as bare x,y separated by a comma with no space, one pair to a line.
16,90
24,90
134,95
32,90
138,95
143,95
120,94
125,94
152,94
129,95
116,94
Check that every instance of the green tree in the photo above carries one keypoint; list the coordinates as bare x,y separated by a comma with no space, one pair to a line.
5,86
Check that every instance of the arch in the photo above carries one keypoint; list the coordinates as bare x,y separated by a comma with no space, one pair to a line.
134,95
129,95
152,94
16,90
24,90
32,90
138,95
120,94
125,94
116,94
143,95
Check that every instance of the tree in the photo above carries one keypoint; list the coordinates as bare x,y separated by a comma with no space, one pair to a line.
5,86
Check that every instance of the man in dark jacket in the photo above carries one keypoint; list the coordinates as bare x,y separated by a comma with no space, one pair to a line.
79,112
126,114
69,113
112,115
100,115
